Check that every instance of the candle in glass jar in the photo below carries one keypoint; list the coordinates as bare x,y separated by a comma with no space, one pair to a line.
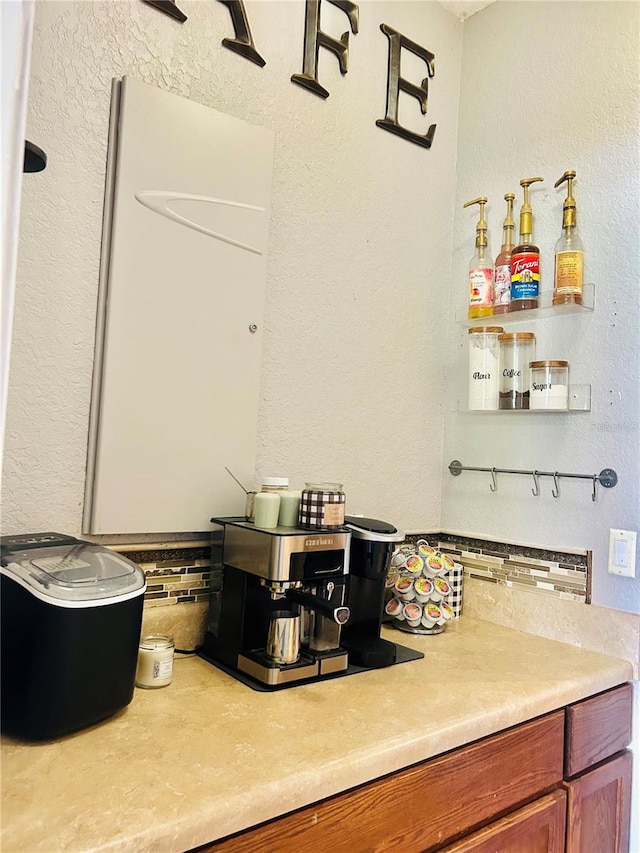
155,661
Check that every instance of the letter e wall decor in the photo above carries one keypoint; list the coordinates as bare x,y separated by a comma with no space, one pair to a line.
396,84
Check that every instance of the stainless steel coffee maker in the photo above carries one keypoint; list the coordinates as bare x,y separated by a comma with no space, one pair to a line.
278,618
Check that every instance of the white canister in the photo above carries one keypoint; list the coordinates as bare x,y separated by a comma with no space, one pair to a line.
484,367
266,508
549,385
155,661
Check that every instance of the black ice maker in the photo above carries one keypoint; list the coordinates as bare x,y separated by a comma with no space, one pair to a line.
71,618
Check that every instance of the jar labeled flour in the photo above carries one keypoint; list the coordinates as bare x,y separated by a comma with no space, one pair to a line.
484,367
322,506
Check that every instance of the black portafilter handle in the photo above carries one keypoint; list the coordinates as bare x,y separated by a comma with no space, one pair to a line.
320,605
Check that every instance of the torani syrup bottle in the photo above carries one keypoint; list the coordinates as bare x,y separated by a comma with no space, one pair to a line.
567,280
480,269
502,275
525,259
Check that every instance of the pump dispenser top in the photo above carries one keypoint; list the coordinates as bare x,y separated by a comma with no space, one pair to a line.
526,214
569,206
480,268
569,251
481,227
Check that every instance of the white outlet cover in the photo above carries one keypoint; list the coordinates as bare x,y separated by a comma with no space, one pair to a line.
622,552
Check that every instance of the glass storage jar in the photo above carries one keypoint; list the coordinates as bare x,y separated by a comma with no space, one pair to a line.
155,661
484,366
322,506
517,350
549,385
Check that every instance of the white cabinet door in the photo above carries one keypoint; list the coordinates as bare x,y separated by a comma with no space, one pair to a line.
179,332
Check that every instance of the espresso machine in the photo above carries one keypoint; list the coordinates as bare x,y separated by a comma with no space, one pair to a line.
278,619
372,544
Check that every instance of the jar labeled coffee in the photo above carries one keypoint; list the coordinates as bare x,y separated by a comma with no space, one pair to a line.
484,367
322,506
549,385
517,350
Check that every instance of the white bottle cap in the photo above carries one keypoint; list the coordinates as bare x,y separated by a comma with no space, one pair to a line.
283,482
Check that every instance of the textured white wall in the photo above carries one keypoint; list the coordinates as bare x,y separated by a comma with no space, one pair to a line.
360,248
548,87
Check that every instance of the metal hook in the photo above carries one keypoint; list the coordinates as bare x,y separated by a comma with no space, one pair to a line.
536,489
493,485
595,480
555,491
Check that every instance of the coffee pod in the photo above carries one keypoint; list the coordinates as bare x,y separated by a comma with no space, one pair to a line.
440,589
395,608
446,610
413,614
414,565
433,565
430,615
404,589
423,588
392,577
398,558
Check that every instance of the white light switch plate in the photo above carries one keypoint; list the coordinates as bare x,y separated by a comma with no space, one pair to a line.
622,552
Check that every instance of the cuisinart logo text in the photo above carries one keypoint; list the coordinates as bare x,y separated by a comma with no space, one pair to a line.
318,542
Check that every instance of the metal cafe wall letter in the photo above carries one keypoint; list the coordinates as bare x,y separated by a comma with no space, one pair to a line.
169,8
315,38
396,83
243,42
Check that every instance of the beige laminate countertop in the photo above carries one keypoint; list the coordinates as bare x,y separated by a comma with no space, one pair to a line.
208,756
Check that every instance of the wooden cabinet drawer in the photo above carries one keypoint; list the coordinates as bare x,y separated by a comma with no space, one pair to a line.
599,808
425,806
536,828
597,728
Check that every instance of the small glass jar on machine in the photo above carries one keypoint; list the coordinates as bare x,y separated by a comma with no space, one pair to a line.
549,385
484,367
517,350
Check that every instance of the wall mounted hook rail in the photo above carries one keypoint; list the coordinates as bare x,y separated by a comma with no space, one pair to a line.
606,478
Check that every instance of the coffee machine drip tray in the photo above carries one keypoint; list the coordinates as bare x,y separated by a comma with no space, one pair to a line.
254,673
257,665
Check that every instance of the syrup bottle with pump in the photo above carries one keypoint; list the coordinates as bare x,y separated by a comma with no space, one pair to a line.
569,251
525,258
480,269
502,280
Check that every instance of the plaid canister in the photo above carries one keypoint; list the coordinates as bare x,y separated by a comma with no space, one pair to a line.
455,577
322,506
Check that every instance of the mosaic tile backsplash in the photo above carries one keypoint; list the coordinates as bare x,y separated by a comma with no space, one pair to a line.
556,573
189,575
179,575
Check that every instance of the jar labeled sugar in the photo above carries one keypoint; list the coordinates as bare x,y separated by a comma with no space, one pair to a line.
484,367
549,385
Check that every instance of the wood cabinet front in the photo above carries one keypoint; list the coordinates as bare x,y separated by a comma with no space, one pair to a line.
425,806
599,808
512,792
597,729
536,828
